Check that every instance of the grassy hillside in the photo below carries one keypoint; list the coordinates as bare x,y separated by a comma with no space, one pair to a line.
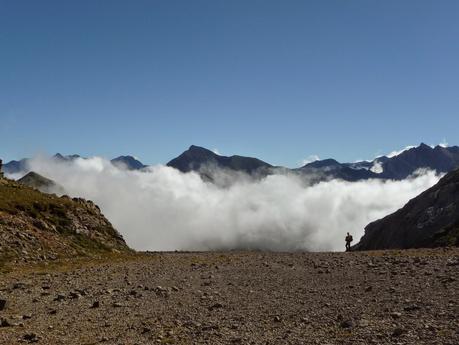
35,226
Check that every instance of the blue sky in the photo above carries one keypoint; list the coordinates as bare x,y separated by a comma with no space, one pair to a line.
279,80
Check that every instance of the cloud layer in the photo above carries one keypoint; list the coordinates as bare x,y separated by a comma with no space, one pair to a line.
164,209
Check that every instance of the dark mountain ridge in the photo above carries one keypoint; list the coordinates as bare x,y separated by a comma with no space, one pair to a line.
196,158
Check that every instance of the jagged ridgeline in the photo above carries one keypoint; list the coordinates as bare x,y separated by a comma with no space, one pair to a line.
36,226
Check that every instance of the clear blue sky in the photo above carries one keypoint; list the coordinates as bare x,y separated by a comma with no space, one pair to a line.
280,80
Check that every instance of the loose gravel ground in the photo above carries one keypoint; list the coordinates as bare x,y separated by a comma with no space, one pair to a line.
386,297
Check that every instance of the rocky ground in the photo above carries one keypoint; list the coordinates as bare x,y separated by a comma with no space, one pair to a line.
392,297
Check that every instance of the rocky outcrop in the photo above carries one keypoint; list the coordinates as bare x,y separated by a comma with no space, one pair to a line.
36,226
429,220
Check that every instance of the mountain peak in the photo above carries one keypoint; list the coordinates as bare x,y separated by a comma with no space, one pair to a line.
197,157
128,162
424,147
195,148
60,157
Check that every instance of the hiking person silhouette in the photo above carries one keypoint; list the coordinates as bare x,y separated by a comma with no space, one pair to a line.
348,240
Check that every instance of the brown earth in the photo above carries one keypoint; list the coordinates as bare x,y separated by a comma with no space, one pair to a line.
390,297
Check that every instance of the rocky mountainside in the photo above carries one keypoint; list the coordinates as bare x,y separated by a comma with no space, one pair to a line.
429,220
197,158
37,226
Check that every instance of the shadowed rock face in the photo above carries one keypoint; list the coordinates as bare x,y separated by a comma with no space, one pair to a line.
196,158
429,220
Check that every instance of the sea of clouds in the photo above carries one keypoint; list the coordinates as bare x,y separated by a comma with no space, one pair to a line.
163,209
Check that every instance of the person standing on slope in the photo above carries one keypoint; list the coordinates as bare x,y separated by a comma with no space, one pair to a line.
348,240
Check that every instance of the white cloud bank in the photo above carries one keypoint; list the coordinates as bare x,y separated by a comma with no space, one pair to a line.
163,209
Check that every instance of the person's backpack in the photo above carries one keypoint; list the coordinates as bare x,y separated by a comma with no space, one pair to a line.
350,238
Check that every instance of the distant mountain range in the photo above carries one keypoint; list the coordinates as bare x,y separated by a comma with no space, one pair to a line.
199,159
429,220
123,162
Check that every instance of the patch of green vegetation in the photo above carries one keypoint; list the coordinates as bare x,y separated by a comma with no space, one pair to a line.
15,198
87,244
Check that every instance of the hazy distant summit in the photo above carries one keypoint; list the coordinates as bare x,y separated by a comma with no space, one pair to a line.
128,162
43,184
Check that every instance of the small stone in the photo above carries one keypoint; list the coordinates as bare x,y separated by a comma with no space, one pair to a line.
74,295
96,304
30,337
117,305
26,316
346,324
215,306
5,323
59,297
397,332
3,304
364,323
396,315
145,330
277,318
